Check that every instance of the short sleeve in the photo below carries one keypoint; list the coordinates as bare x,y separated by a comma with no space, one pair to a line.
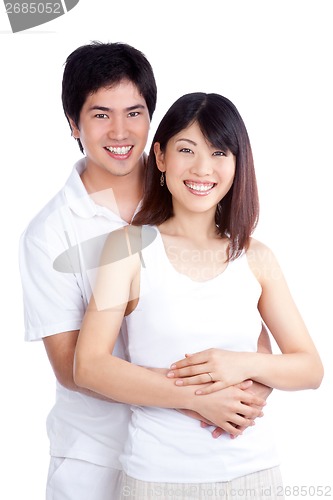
53,301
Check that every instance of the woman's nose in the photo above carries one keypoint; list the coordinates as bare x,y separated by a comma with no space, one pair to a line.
202,166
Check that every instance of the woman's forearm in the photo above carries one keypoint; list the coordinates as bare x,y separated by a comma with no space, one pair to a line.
128,383
292,371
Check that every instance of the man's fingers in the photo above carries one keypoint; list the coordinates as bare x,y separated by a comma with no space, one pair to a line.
252,400
217,432
251,412
246,384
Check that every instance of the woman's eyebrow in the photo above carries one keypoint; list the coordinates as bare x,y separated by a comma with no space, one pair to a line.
187,140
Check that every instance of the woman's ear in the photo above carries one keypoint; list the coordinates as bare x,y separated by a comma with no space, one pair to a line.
159,155
74,127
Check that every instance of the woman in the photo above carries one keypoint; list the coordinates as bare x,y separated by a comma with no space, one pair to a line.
194,268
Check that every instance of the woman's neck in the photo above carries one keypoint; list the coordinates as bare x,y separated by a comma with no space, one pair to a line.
194,226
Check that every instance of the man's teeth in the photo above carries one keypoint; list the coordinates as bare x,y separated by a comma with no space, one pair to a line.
199,187
120,150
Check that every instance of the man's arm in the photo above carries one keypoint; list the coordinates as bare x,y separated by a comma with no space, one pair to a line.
60,349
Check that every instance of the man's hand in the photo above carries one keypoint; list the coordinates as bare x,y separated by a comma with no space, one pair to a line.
260,390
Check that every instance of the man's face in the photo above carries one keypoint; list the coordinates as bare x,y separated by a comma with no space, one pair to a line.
113,129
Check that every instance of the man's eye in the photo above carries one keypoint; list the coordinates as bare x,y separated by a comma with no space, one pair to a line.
101,115
186,150
133,114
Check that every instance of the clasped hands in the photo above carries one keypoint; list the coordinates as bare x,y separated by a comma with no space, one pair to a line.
223,373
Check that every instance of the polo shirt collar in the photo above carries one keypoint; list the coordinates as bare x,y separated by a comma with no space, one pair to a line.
76,194
79,200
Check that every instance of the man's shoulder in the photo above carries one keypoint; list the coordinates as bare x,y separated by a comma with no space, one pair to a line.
55,211
48,215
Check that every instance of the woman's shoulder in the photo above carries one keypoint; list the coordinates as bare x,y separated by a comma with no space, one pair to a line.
257,247
261,259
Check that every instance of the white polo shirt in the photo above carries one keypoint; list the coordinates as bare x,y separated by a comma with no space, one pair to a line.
59,252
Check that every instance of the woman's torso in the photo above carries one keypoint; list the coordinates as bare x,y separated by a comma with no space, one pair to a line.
176,315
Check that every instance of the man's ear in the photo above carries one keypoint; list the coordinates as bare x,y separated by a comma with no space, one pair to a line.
159,155
74,127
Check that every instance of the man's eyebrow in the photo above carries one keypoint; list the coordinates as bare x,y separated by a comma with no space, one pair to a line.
97,107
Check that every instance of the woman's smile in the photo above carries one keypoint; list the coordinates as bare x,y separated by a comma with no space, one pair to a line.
200,188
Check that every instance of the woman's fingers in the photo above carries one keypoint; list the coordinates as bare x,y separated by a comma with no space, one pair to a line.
205,378
193,359
209,388
189,371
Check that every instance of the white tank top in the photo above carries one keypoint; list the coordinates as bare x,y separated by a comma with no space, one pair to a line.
176,315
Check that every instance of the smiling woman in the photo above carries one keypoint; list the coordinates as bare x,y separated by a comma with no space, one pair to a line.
203,281
206,174
223,150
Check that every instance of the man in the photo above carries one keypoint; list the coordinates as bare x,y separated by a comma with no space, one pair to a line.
109,97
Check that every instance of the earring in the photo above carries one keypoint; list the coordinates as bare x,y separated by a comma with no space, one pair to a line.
162,179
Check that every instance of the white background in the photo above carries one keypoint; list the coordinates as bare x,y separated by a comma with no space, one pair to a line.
273,59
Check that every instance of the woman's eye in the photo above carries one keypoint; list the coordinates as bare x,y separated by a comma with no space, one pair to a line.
186,150
219,153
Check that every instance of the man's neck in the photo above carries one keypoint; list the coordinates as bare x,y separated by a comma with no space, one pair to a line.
120,194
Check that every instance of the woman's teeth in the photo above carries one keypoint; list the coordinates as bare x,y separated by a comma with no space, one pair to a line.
199,187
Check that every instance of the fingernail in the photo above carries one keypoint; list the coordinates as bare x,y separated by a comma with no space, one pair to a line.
179,382
170,374
172,367
198,392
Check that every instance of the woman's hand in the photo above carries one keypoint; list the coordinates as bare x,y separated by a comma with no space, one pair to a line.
232,409
216,368
232,399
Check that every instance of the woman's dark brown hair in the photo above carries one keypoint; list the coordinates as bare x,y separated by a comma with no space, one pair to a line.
223,127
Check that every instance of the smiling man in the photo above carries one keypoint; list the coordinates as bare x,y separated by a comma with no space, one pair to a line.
109,96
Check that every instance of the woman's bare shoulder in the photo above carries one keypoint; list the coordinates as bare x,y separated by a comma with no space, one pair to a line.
261,259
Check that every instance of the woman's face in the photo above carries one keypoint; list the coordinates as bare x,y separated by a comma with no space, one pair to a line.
197,174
